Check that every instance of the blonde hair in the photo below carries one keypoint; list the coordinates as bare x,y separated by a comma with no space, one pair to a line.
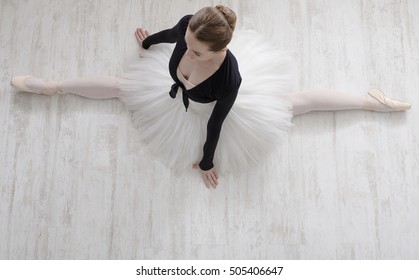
214,26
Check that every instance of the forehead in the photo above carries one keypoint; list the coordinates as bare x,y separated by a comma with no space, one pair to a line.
194,44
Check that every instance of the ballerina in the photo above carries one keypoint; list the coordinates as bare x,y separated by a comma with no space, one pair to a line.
230,121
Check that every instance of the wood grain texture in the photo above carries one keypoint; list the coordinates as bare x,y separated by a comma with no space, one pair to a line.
75,182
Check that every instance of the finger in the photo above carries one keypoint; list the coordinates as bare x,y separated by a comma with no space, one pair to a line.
214,178
212,181
138,40
214,184
207,184
138,37
138,32
143,33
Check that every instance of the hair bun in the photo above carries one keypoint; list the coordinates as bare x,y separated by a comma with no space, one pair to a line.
229,15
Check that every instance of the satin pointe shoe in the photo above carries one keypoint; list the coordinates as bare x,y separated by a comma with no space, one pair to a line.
391,105
50,88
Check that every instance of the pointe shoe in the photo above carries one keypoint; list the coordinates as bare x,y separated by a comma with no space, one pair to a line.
391,104
18,82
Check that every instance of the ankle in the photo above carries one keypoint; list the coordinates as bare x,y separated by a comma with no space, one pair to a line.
370,103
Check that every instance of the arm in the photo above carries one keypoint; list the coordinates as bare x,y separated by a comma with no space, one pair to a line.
166,36
215,122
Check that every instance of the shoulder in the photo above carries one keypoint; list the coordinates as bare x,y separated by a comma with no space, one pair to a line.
183,23
231,72
232,66
229,79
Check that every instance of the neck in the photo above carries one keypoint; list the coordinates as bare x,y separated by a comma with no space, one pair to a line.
218,58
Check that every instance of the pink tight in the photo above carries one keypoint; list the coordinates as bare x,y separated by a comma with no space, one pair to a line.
102,87
330,100
93,87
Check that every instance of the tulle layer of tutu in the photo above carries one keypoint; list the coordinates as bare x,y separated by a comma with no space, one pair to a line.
259,120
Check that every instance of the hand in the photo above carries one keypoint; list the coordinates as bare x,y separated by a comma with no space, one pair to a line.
210,176
141,34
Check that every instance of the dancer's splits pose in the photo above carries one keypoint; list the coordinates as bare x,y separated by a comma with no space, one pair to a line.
255,114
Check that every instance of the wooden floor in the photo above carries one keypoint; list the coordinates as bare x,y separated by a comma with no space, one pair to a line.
75,182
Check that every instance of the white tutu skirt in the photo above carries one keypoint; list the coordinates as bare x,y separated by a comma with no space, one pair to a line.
259,120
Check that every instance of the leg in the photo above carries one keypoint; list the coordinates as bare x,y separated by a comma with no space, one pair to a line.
325,100
92,87
331,100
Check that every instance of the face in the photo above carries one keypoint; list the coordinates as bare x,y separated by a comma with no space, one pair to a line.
197,50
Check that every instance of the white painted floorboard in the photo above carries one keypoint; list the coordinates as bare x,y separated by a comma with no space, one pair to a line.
75,182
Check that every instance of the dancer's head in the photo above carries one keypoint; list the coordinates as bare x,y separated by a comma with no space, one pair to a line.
210,31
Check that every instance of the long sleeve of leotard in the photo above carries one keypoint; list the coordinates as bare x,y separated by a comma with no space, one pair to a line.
170,35
215,122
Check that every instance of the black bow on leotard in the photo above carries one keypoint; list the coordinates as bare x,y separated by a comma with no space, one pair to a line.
173,92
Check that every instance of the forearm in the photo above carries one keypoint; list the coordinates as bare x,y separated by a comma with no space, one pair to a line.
213,134
168,35
165,36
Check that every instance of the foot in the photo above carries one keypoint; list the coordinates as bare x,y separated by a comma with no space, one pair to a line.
35,85
377,101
